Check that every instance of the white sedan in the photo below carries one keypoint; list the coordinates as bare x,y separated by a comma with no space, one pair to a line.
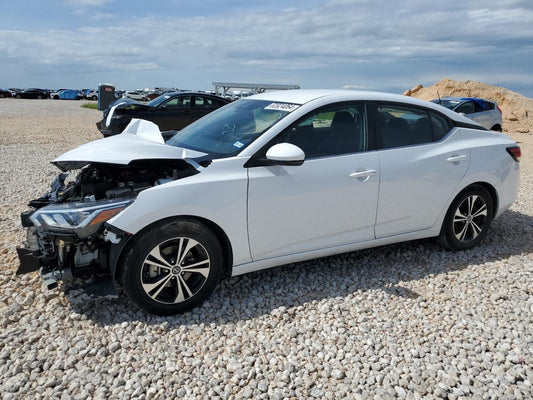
134,95
272,179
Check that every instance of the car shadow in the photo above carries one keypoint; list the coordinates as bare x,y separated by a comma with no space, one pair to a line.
388,268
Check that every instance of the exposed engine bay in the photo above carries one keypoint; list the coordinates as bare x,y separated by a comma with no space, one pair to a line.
99,181
66,226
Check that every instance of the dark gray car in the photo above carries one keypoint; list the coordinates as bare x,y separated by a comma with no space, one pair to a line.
170,111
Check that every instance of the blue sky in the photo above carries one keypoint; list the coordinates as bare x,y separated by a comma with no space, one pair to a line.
375,44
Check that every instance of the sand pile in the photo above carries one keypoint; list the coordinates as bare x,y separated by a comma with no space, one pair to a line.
517,109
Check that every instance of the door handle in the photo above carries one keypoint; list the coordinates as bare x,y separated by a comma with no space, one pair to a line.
363,174
456,158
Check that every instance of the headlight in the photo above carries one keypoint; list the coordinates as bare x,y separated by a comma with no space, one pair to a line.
78,215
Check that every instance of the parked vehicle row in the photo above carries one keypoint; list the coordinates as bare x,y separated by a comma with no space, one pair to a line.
270,179
72,94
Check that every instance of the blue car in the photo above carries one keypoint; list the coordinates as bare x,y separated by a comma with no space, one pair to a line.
66,94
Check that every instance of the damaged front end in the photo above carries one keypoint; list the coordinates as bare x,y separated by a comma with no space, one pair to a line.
66,233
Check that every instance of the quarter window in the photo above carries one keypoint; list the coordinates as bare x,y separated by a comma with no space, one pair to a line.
441,126
332,131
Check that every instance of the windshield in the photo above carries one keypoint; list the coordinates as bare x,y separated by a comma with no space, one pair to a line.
448,103
158,100
228,130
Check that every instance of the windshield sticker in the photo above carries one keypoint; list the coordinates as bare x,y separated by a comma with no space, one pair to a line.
282,107
238,144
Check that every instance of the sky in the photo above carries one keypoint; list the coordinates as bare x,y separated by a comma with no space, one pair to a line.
373,45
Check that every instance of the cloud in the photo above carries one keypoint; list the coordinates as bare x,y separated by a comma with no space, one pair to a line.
86,3
81,7
334,42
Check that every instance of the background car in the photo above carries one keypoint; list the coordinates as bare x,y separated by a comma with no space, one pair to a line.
92,95
55,94
484,112
134,95
14,91
170,111
69,94
5,93
268,180
33,94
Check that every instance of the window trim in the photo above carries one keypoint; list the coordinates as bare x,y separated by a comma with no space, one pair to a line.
259,158
372,115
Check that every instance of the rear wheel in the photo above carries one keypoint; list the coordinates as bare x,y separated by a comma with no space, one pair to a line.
173,267
496,128
468,219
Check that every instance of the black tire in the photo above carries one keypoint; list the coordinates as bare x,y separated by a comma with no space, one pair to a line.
153,276
94,98
468,219
39,97
18,96
496,128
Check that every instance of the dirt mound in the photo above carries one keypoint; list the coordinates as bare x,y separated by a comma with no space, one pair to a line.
517,109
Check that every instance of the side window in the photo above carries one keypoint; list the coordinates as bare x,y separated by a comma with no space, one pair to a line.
203,102
480,105
398,126
173,103
467,107
489,106
328,132
441,126
179,102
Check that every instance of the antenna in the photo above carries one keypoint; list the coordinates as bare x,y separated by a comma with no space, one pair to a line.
440,102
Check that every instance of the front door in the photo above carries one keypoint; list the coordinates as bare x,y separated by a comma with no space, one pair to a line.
329,200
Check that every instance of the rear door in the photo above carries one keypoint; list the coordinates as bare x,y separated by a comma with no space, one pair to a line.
174,114
418,170
202,105
475,110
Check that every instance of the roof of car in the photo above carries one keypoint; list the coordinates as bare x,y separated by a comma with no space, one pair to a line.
464,98
190,92
303,96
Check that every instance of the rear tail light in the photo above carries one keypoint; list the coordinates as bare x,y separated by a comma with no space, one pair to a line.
499,109
515,152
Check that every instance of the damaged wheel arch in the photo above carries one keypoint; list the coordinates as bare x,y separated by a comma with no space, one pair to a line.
119,251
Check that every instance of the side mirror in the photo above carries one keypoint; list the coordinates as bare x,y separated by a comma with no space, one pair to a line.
285,154
279,154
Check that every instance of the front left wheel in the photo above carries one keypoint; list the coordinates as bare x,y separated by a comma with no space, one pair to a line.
172,268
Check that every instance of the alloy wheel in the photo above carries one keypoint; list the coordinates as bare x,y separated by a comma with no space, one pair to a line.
175,270
470,218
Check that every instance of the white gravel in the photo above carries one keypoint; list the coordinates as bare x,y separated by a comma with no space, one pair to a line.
403,321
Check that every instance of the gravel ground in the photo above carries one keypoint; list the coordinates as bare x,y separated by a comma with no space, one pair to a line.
402,321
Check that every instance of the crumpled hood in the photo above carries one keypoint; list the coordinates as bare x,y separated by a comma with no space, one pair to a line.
121,149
